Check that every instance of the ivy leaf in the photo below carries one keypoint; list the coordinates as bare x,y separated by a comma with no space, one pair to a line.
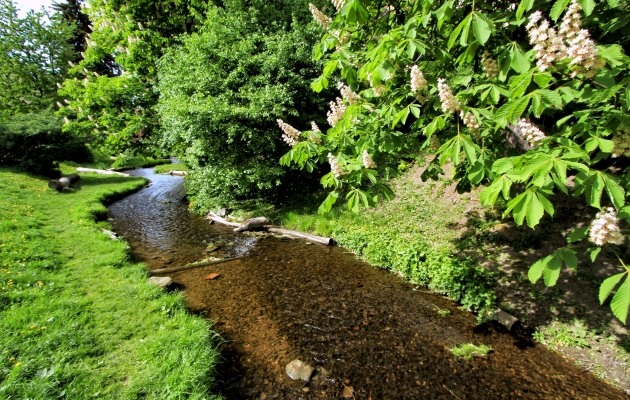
577,234
558,7
608,285
621,301
481,28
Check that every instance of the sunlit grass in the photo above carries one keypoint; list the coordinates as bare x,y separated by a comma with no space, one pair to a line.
469,350
77,318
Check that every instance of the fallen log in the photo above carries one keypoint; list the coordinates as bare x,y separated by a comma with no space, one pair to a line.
193,265
215,218
317,239
64,182
252,223
101,171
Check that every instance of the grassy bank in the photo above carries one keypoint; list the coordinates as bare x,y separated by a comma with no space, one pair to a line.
166,168
77,319
105,161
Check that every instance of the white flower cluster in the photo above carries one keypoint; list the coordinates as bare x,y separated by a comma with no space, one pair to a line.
569,42
337,109
418,82
321,18
312,136
338,4
605,228
622,145
367,160
449,102
290,134
335,167
470,121
347,93
379,89
489,65
529,132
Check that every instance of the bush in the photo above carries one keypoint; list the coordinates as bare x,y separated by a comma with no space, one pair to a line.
222,92
36,143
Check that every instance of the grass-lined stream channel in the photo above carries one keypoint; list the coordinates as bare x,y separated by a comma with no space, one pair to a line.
358,326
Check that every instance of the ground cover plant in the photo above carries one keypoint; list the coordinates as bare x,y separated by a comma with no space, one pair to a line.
77,318
166,168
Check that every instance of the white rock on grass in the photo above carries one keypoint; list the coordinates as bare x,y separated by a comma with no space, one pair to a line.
163,282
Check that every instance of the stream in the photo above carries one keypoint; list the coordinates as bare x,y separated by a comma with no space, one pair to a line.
367,333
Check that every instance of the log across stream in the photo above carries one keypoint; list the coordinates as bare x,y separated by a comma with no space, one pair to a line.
359,327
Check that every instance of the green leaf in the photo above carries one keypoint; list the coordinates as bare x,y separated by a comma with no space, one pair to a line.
570,258
536,270
481,28
587,8
593,252
463,39
525,5
453,38
552,270
330,200
356,12
557,9
552,97
578,234
519,62
621,301
608,285
616,193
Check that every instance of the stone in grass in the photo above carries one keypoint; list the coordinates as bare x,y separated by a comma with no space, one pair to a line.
214,275
162,282
297,369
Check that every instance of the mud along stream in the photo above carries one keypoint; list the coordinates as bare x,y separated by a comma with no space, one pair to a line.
360,327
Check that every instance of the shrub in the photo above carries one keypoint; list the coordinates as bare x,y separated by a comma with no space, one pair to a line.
35,143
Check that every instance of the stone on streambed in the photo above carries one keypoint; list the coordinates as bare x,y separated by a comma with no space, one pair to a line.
297,369
162,282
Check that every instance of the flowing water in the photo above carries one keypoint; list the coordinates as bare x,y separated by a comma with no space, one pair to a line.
367,333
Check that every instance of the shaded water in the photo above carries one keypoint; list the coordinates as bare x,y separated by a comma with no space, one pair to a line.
359,327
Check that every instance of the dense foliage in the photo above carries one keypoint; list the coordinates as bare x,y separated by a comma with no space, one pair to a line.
35,143
222,92
116,110
34,52
524,105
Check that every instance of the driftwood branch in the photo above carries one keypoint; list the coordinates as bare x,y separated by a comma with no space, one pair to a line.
252,223
215,218
101,171
317,239
191,266
64,182
261,222
178,173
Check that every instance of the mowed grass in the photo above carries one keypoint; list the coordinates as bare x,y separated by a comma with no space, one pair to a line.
77,319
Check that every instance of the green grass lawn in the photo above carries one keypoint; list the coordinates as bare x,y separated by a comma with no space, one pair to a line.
77,318
104,161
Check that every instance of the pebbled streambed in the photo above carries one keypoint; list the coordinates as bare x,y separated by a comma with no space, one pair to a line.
366,333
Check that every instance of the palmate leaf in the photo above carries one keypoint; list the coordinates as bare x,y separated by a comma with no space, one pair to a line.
481,28
621,301
525,5
549,267
557,9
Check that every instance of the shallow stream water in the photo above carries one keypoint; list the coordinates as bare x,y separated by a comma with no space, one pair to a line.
366,332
